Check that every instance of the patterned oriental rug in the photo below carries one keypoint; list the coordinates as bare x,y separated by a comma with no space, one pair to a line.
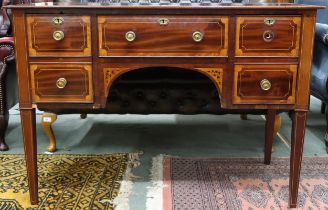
234,183
67,181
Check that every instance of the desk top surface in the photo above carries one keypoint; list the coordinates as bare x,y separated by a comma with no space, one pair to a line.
163,4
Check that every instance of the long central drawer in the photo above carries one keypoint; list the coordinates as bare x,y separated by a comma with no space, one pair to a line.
163,36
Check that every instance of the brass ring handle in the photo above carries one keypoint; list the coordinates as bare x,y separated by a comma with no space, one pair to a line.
58,35
197,36
130,36
61,83
265,84
268,36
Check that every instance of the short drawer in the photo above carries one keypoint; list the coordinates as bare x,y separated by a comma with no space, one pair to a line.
268,36
61,83
59,35
163,36
265,84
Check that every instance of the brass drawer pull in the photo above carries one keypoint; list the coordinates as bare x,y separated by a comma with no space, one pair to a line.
268,36
197,36
61,83
58,35
163,21
130,36
269,21
58,20
265,84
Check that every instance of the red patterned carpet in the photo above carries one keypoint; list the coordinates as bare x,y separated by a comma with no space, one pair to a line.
241,183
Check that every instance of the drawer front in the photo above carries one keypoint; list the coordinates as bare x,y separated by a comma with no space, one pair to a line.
268,36
61,83
265,84
163,36
59,35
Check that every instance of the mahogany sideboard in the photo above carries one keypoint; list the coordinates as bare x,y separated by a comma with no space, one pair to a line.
258,56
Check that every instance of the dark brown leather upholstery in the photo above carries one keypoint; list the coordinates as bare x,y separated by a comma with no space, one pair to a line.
8,81
8,85
163,91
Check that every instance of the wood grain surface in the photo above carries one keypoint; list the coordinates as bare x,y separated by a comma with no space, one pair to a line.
154,39
76,41
77,89
250,39
247,84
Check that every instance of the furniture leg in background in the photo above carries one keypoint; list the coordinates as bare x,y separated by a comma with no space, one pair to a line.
47,120
3,108
3,127
323,108
270,132
277,122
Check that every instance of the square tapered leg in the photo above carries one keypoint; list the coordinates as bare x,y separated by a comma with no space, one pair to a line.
298,131
29,138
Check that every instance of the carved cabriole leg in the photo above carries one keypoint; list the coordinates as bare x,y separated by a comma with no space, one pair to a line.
29,139
243,116
47,120
3,109
277,124
323,108
269,134
297,141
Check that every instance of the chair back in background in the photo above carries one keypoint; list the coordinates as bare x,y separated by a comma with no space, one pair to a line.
322,16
